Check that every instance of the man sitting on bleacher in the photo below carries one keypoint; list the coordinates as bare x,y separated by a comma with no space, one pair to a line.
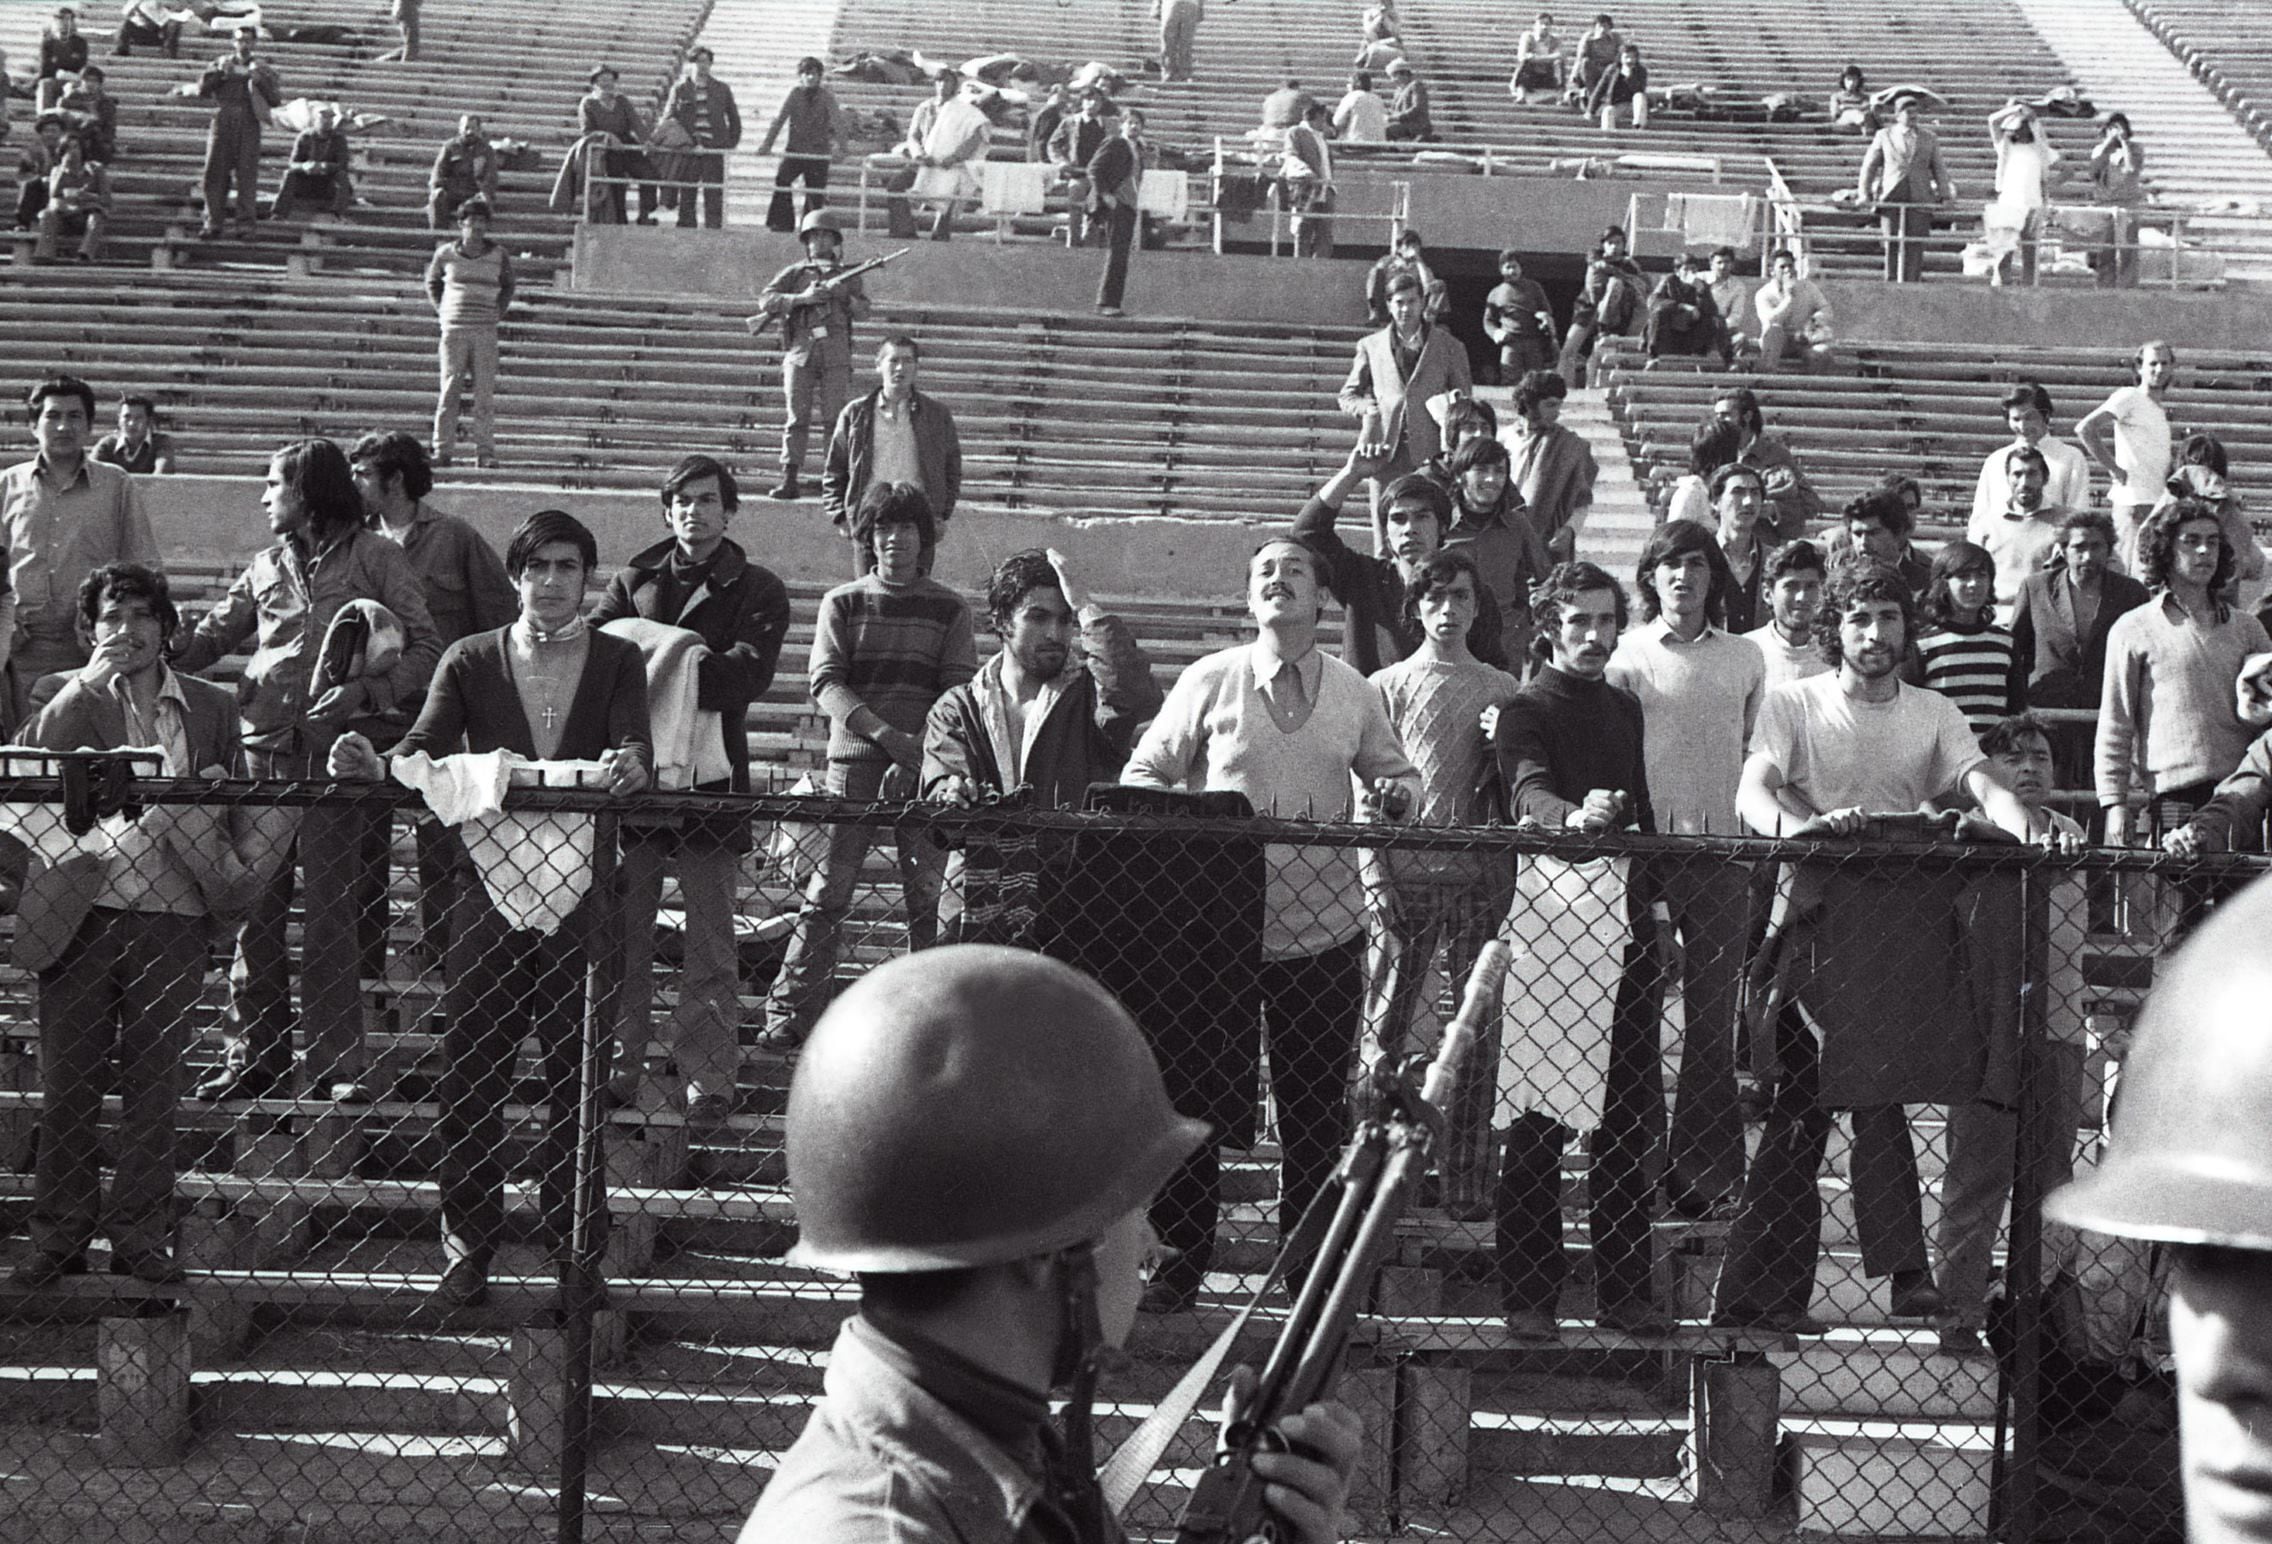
464,168
78,204
1794,318
317,173
946,134
119,941
1683,317
150,24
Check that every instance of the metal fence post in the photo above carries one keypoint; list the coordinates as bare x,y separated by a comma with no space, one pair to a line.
582,1288
2023,1275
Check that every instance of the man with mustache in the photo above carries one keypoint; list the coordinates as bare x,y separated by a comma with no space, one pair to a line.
1297,733
1829,753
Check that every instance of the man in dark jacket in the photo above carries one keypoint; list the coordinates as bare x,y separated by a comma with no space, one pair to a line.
318,172
704,107
700,581
1116,184
1683,316
465,167
894,434
1037,715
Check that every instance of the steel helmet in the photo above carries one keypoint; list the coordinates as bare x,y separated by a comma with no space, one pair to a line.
819,220
973,1105
2190,1157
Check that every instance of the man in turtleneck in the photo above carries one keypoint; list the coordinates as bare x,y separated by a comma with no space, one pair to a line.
1570,749
701,580
973,1132
547,688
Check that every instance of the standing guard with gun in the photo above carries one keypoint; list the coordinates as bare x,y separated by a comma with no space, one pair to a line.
816,302
975,1133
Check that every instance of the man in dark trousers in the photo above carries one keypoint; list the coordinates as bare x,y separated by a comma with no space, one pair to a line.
704,107
1116,185
1071,146
815,125
702,581
318,172
894,434
1570,751
816,310
244,92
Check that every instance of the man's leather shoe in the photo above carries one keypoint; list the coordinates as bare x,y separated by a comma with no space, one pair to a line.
347,1091
154,1266
1169,1297
464,1285
1534,1327
706,1109
786,489
1798,1323
1960,1340
45,1270
235,1083
1917,1300
1636,1318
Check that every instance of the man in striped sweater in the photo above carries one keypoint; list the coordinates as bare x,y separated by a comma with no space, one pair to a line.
886,647
470,282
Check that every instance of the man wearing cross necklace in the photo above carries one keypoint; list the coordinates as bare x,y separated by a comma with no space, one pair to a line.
551,689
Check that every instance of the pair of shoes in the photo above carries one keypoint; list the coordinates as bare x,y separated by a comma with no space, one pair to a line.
465,1284
44,1270
1795,1322
1695,1206
1169,1297
786,489
707,1109
1635,1317
1915,1297
347,1091
1534,1326
154,1266
1961,1340
235,1083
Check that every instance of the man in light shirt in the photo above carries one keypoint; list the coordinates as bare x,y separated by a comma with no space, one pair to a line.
1282,723
1793,595
2027,409
1794,318
2128,435
1361,117
2022,534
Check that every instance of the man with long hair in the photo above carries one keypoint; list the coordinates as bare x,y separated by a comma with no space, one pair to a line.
324,560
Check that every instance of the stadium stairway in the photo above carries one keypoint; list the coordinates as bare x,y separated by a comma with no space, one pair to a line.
2198,151
758,44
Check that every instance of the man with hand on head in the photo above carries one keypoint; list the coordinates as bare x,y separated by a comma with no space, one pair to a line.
546,688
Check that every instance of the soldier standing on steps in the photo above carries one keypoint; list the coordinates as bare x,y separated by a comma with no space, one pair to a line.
816,311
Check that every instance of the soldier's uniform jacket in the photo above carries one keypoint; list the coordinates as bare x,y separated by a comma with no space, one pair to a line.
807,330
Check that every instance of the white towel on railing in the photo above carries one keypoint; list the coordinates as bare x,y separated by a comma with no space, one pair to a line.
1713,219
536,868
1166,194
1014,187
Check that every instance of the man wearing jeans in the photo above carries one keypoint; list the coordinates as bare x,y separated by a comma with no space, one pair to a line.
700,581
1280,722
470,281
885,648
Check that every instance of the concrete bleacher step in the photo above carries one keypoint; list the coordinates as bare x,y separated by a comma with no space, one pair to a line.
1891,1479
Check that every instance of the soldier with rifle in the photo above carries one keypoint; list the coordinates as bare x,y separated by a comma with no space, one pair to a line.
816,302
975,1133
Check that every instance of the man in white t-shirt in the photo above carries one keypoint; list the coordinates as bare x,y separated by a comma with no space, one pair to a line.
1361,117
2067,475
1699,687
2128,435
1830,752
1792,593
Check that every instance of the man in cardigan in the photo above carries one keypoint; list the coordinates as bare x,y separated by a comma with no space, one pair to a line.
1038,715
885,648
548,688
1288,727
124,985
1376,627
1570,751
894,434
1393,377
703,581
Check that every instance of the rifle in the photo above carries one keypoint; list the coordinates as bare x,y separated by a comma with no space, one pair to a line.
1384,1162
760,325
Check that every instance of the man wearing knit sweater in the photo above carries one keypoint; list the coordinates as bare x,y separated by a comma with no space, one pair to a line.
1280,722
1699,687
1792,594
1570,750
470,282
2167,703
885,648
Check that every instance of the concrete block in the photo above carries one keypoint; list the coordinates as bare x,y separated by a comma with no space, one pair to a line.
142,1388
536,1425
1371,1392
1860,1482
1734,1411
1435,1408
1408,1291
219,1330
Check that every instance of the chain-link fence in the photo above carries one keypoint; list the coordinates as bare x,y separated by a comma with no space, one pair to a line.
1715,1227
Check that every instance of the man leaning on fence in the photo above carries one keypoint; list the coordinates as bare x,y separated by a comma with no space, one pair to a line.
119,938
548,688
1860,995
885,648
1280,722
697,581
298,692
1041,715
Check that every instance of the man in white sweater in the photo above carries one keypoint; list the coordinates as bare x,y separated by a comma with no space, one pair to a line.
1792,594
1699,687
1280,722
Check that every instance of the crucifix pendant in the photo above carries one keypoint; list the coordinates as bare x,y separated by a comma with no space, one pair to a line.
550,714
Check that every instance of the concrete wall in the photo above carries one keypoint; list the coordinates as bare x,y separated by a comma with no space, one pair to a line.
210,520
2118,319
